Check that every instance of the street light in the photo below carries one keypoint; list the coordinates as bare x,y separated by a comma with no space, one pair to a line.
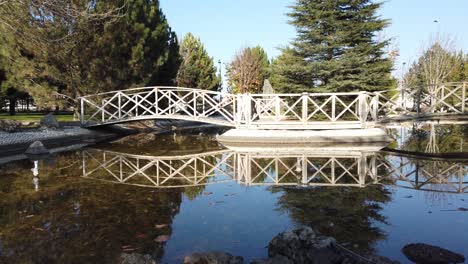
220,77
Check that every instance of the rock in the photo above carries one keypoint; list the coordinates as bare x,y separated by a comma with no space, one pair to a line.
37,148
423,253
49,121
304,245
8,125
213,258
381,260
274,260
135,258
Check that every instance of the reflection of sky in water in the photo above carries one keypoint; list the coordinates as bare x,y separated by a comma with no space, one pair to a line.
241,224
419,219
240,219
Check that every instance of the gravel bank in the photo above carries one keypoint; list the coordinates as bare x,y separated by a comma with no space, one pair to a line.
18,142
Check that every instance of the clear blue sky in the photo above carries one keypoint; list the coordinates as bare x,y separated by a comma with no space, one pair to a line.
225,26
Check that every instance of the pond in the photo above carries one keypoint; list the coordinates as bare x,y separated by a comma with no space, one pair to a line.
172,195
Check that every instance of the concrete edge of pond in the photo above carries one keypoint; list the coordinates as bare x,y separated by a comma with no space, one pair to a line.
374,138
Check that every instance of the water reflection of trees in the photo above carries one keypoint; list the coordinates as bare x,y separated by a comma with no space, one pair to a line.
346,213
71,220
435,173
433,138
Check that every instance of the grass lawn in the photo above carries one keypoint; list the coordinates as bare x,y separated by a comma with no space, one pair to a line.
22,117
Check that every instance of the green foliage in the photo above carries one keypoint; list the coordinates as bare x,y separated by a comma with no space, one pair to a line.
197,69
460,70
336,49
438,64
105,46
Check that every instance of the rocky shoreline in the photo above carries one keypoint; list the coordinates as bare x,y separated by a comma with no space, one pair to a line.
304,245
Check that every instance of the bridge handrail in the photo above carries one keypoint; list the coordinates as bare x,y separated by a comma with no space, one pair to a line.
155,87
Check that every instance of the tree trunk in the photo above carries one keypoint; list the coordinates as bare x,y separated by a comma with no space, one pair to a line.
12,106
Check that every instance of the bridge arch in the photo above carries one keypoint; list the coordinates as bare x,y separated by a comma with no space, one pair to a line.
157,103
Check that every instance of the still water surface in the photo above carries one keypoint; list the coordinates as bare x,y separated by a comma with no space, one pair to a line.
173,195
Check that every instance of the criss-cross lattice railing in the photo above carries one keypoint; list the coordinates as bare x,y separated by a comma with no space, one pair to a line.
267,111
164,171
352,170
158,103
447,98
307,110
429,174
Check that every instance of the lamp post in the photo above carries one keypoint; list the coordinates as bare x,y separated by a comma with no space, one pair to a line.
220,77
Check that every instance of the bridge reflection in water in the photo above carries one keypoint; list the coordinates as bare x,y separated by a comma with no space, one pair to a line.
301,168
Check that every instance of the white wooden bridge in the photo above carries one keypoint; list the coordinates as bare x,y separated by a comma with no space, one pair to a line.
270,111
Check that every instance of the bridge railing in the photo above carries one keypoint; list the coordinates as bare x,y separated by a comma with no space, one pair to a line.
307,110
447,98
158,102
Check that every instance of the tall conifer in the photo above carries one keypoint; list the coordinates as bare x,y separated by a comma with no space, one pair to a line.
337,49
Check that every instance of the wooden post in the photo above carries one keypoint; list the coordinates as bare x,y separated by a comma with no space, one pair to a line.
156,100
305,112
119,98
362,109
278,108
362,169
333,115
194,103
103,102
305,179
463,97
375,106
248,108
82,112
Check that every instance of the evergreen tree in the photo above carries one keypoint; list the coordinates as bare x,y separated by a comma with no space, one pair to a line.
105,46
336,49
140,49
197,69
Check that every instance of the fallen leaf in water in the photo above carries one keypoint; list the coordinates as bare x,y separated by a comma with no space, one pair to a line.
207,193
140,236
161,226
162,238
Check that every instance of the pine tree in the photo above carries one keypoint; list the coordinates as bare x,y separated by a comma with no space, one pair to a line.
109,45
336,49
197,69
140,49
